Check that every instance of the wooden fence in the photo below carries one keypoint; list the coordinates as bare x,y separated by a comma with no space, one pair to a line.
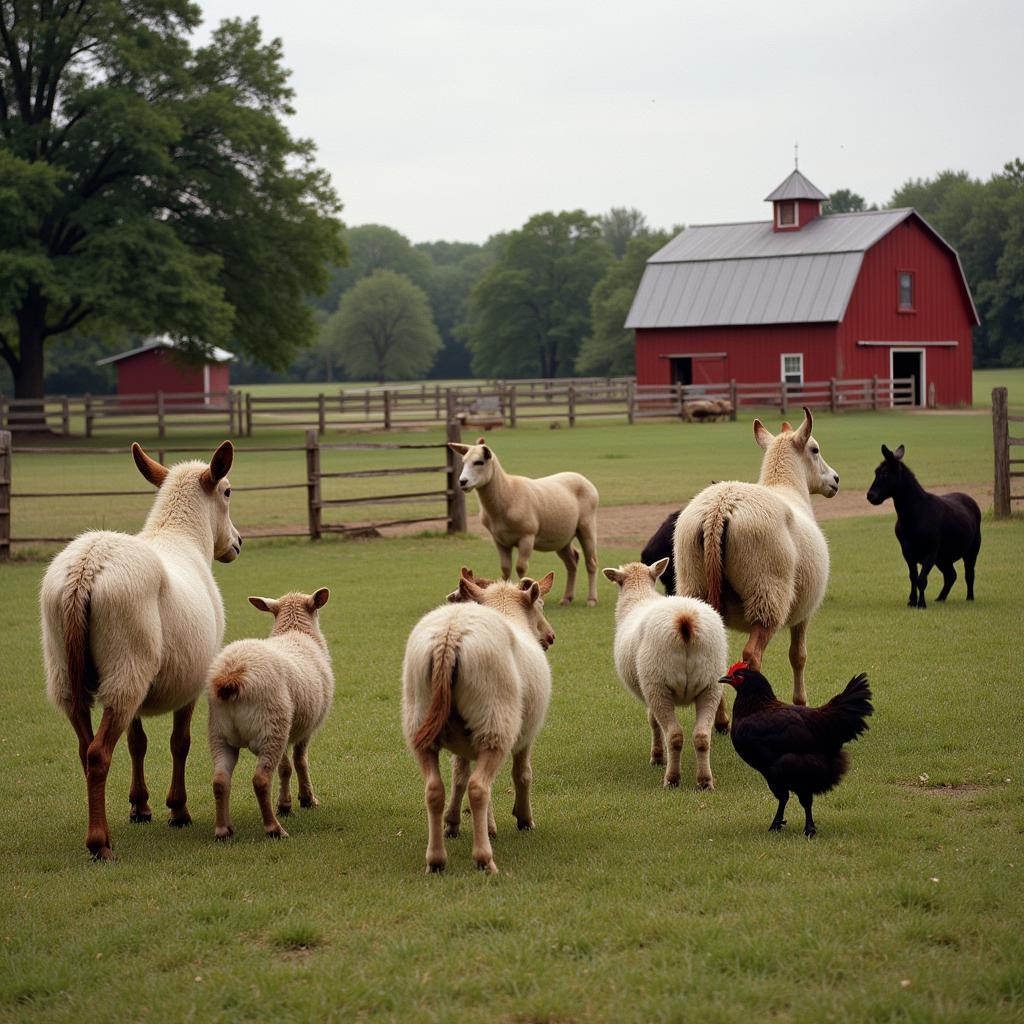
504,402
447,492
1002,442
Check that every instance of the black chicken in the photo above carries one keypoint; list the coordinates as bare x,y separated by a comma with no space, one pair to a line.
795,748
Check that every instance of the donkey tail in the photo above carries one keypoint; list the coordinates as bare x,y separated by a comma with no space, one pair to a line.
444,670
716,525
83,679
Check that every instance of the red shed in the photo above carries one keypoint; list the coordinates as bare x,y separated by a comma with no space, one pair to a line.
806,297
155,366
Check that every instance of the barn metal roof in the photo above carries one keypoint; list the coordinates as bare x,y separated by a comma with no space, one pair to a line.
216,355
740,274
796,186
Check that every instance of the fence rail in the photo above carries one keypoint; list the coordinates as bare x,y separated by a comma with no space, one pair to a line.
452,500
1002,443
497,402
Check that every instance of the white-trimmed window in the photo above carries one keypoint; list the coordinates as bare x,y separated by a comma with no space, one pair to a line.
906,291
785,213
793,368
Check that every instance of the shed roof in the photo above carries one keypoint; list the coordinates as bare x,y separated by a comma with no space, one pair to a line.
216,355
747,274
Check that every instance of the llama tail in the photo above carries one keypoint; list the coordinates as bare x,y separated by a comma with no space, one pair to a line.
716,525
444,670
686,627
228,683
83,679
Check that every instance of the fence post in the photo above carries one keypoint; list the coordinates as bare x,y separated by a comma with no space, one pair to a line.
783,397
248,414
456,500
512,401
1001,447
231,413
874,392
65,415
630,402
161,429
572,405
833,397
88,414
3,411
733,399
5,495
321,413
437,401
679,400
313,483
931,395
387,409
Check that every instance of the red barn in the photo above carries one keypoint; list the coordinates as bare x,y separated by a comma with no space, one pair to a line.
155,366
806,297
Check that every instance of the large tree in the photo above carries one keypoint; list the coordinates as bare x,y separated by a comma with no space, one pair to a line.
530,311
149,186
383,329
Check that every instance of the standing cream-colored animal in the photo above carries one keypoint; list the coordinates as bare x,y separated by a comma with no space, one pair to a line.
475,682
265,695
755,553
526,513
669,652
133,622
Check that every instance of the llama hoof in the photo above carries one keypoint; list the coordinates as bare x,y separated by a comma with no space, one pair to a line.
566,600
104,853
276,832
436,868
182,820
309,802
525,824
141,816
657,759
451,830
492,831
488,866
591,602
671,783
722,728
284,810
706,784
810,831
776,826
223,834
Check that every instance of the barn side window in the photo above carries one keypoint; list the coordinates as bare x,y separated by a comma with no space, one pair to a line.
793,368
906,289
786,212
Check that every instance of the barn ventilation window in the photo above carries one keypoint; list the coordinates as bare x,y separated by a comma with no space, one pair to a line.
906,279
786,213
793,368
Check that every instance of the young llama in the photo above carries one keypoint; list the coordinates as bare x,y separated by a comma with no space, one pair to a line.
265,695
525,513
475,681
133,622
755,553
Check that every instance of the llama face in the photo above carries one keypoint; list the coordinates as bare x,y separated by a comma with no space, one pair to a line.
477,464
227,541
533,599
821,477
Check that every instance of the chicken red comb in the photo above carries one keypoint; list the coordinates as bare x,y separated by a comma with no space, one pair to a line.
735,667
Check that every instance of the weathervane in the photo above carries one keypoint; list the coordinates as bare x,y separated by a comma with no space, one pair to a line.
796,156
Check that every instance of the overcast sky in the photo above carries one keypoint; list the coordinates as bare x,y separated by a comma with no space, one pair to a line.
452,120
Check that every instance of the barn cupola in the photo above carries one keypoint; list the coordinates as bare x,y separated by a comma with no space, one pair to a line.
795,203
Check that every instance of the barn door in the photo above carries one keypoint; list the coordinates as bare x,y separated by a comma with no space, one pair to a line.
909,363
682,369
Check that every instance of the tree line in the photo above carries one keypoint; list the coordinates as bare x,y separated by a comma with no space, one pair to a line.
150,186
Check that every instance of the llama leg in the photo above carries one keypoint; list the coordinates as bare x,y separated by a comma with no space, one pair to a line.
82,724
922,579
138,795
97,761
570,557
705,705
224,760
948,579
460,779
306,796
797,659
433,796
753,652
505,554
181,740
492,825
487,764
657,746
525,550
663,709
722,717
271,751
284,795
522,776
587,534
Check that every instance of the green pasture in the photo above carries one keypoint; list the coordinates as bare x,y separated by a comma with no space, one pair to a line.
628,902
652,462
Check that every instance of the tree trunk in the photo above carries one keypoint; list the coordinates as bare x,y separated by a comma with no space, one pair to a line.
28,374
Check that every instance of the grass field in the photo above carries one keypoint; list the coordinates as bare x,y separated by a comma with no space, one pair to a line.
629,902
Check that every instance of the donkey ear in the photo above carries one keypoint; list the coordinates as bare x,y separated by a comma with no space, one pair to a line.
762,435
545,583
487,453
533,594
220,463
615,575
658,568
149,468
321,597
886,454
899,453
480,440
469,591
466,573
459,449
786,425
803,432
265,604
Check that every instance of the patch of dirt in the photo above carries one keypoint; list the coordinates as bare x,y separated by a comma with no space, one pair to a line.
960,791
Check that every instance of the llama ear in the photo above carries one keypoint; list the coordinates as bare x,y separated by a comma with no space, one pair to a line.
480,440
466,573
487,453
762,435
899,453
786,425
220,463
265,604
803,432
533,594
469,591
459,449
149,468
321,597
545,583
526,582
615,575
658,568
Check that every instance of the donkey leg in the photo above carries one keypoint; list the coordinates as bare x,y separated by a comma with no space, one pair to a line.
922,580
487,764
307,798
522,776
587,534
969,561
224,760
181,740
433,797
460,779
663,709
706,706
753,652
570,557
657,744
97,766
948,579
912,572
284,795
138,795
797,659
